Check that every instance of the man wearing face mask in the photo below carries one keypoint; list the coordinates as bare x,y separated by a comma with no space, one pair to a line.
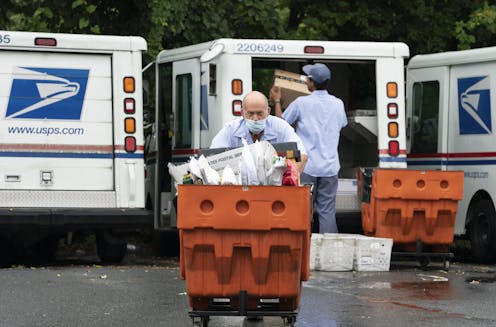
258,125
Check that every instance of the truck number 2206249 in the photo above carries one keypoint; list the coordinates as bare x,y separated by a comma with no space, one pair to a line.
259,47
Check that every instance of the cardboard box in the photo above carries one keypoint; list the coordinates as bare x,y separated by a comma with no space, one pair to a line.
328,252
315,244
372,253
346,252
292,86
336,252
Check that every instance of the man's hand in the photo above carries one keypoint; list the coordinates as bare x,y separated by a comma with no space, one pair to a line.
275,94
301,164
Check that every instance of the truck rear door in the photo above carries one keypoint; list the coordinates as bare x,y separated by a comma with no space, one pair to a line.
186,104
56,121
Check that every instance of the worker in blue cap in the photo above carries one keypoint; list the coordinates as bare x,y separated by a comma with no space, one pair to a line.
319,118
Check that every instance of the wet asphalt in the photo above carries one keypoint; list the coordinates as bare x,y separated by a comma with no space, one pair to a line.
147,291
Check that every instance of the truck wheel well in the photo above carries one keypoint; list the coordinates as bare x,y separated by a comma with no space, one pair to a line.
479,195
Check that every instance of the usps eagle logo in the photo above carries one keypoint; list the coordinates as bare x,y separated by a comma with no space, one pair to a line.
47,93
474,105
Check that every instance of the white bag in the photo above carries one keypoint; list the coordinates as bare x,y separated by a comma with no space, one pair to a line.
276,170
228,177
247,167
210,176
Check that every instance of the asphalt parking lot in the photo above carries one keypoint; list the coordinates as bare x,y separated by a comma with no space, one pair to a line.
144,290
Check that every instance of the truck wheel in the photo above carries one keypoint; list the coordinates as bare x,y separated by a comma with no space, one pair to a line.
45,250
483,231
110,249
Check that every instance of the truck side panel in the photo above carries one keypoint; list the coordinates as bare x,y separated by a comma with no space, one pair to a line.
472,124
56,121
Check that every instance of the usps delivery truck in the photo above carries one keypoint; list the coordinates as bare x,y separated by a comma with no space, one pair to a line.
451,126
71,140
200,88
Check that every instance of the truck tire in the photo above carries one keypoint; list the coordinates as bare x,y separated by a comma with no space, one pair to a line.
483,231
45,250
110,249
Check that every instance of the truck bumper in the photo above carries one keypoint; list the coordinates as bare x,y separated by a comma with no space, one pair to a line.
75,219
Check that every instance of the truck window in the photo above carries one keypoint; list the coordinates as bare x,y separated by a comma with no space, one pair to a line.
425,104
212,83
183,110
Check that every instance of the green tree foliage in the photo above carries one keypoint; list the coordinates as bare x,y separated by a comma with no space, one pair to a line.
479,30
426,26
188,22
125,17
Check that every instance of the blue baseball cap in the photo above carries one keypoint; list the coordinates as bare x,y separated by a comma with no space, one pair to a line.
319,73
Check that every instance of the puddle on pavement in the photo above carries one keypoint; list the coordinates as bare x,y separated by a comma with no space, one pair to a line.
426,290
429,287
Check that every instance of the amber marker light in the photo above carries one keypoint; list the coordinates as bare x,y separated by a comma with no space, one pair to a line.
129,84
392,90
130,125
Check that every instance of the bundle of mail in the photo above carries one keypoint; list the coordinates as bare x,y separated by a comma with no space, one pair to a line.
252,164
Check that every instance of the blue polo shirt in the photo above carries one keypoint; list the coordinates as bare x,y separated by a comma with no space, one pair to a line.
276,131
319,118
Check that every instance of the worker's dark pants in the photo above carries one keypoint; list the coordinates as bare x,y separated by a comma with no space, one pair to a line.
324,195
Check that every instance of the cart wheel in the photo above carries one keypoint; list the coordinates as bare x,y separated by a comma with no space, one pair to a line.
424,262
289,321
446,265
201,321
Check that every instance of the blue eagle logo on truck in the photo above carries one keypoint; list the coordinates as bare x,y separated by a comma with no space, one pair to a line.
47,93
474,105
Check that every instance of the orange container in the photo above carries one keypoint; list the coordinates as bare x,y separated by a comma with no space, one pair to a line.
411,205
253,239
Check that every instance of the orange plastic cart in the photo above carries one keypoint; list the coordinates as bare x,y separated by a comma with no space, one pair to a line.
416,208
244,249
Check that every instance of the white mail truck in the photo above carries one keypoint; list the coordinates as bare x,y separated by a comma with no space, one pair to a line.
451,126
71,139
200,88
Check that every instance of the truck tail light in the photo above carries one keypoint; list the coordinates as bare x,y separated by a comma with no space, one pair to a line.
393,129
392,110
313,49
129,106
130,144
236,107
129,84
392,90
130,125
394,148
45,41
237,87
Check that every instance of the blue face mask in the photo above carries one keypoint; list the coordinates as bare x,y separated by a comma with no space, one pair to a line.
256,126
